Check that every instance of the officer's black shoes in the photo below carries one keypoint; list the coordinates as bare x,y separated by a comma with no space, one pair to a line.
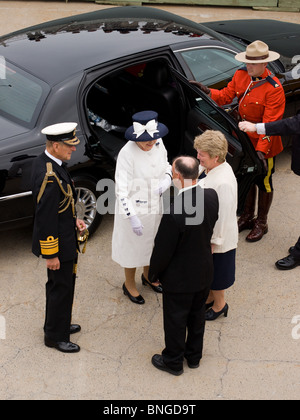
75,328
63,346
287,263
157,361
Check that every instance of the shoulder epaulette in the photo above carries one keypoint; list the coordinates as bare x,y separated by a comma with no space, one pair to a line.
272,82
44,183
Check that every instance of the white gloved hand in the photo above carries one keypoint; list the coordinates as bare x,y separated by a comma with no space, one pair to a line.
163,185
136,225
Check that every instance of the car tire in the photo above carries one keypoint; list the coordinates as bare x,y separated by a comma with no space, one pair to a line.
86,204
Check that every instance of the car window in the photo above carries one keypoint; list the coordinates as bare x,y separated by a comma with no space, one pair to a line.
211,65
222,123
21,94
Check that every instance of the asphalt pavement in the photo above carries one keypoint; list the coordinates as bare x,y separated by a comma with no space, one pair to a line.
254,354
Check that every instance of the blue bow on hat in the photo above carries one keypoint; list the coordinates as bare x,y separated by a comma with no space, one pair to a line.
146,127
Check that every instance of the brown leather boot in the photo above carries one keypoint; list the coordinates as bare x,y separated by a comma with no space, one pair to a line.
260,225
246,221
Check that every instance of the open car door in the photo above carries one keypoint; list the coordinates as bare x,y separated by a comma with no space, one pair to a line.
201,114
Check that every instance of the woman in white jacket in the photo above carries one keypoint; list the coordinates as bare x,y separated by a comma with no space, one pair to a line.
212,148
143,173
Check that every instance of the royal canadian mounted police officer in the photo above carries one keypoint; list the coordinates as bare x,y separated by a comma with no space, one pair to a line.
54,232
261,99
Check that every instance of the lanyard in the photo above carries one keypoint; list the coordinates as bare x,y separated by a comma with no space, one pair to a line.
259,83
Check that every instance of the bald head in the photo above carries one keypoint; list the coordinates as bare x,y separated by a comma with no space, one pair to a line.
187,167
186,170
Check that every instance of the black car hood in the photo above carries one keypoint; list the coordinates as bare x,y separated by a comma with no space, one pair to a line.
10,129
282,37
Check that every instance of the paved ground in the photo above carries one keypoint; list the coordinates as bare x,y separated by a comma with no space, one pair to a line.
253,354
19,14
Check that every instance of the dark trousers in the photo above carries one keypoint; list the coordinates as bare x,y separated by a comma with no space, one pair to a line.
296,251
59,300
265,182
184,325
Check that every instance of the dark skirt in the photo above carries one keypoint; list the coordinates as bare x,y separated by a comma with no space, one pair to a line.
224,270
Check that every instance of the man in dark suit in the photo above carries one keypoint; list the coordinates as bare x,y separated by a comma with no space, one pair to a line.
182,261
283,127
54,233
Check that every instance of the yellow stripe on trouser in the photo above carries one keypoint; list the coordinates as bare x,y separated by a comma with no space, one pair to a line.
270,163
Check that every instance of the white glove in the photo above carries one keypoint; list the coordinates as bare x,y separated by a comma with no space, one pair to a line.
136,225
163,185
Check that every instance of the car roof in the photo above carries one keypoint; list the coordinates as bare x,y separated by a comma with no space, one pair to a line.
282,37
55,50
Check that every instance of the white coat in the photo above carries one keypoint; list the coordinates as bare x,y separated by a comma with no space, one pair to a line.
138,174
223,181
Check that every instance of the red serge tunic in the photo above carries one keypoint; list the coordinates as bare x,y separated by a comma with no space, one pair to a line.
262,103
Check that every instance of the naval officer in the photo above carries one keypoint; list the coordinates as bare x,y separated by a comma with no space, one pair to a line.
54,232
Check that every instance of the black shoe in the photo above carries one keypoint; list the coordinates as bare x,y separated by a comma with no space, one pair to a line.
287,263
157,289
209,305
75,328
157,361
211,315
139,299
63,346
193,365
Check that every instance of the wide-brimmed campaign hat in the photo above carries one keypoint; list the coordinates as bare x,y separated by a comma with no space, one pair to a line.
64,132
146,127
258,52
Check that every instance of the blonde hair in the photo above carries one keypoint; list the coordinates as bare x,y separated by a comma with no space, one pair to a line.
214,143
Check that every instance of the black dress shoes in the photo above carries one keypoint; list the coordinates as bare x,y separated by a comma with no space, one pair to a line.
211,315
287,263
139,299
157,361
192,365
157,289
75,328
63,346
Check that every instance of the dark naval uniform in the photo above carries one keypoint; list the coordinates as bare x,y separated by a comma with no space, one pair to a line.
54,235
54,228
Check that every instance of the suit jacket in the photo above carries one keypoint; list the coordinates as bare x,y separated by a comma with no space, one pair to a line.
288,126
182,258
54,233
264,103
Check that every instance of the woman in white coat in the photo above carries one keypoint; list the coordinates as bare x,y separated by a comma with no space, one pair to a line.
212,148
143,173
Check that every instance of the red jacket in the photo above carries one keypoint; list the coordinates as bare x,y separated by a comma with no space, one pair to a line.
265,103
